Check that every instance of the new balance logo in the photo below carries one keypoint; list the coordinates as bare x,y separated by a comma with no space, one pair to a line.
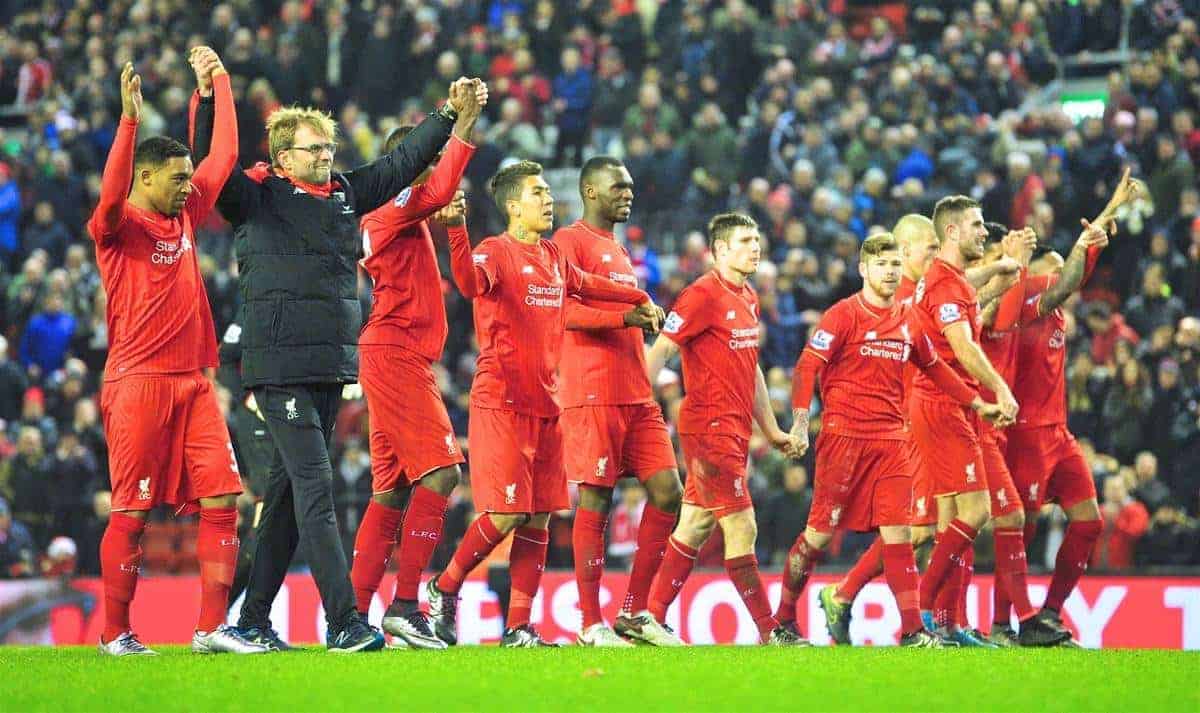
970,472
290,406
510,494
601,466
527,270
606,258
870,335
731,314
144,489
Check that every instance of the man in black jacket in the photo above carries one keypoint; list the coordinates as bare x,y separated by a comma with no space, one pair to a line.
297,241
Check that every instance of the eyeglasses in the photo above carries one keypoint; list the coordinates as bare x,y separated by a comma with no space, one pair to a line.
316,149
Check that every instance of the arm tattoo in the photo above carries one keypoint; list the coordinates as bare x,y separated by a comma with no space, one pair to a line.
1069,281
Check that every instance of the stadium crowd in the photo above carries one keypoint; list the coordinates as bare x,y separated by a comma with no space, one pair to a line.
820,118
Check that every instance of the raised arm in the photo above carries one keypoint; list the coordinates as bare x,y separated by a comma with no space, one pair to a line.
377,182
1077,267
118,168
980,276
215,167
469,273
236,196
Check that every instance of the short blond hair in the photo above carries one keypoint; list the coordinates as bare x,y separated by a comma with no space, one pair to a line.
877,244
282,125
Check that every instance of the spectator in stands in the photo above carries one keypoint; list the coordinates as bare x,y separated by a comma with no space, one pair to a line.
13,384
1172,172
1107,328
1125,408
573,97
1125,522
1173,539
1154,306
782,517
651,115
24,481
10,217
18,553
46,339
46,233
1152,492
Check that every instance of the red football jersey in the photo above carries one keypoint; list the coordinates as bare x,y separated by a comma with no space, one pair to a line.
519,322
866,350
1042,354
601,367
943,298
159,319
715,324
408,310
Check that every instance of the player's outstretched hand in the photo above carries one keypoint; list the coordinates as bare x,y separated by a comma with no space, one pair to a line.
453,213
785,443
131,93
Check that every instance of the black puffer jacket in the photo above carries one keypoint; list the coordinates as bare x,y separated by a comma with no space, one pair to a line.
298,258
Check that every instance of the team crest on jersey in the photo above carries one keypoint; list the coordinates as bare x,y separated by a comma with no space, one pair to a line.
835,515
1033,491
673,324
1002,498
144,489
970,472
949,312
451,446
402,197
821,340
510,494
738,488
601,466
922,511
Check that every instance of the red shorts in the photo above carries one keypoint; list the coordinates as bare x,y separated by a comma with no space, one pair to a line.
516,462
167,442
411,435
861,484
716,472
1047,464
609,442
1003,492
947,437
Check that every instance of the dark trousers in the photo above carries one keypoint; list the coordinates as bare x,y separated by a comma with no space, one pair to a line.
298,503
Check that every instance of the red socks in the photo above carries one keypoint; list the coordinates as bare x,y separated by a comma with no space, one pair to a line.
964,587
1072,560
676,566
481,538
587,539
420,534
217,551
120,559
1011,568
373,547
743,572
526,562
946,557
652,536
801,559
900,569
869,566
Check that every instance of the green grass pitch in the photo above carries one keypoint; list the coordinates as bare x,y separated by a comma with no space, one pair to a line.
578,679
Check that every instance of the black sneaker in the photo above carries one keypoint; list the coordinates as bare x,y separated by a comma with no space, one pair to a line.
443,610
1003,636
1041,630
265,636
354,637
524,637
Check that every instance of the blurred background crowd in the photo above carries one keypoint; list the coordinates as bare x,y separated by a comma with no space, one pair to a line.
820,118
